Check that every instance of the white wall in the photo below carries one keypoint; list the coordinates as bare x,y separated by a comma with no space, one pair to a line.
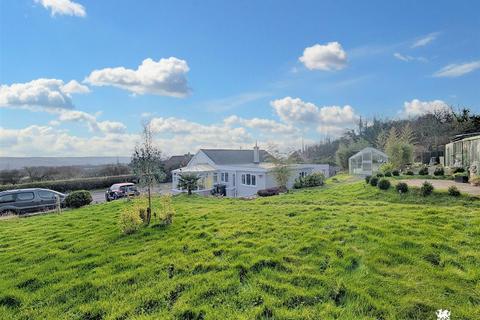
247,191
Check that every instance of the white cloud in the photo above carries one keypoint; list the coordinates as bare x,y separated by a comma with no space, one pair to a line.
74,87
327,57
295,110
46,93
416,107
423,41
401,57
457,70
90,120
407,58
165,77
48,141
63,7
265,125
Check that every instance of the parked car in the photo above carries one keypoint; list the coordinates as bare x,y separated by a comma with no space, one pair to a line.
29,200
121,190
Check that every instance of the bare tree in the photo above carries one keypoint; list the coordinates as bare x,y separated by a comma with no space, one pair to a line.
282,170
146,165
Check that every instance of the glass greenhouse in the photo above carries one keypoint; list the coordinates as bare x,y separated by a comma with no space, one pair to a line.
463,153
366,161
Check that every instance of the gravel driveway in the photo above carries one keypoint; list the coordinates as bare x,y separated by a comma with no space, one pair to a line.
98,196
444,184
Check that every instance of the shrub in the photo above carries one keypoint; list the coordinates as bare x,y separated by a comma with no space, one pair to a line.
388,174
426,189
423,171
384,184
402,187
298,184
475,180
374,181
168,211
458,170
129,220
142,213
268,192
396,173
439,171
453,191
380,175
312,180
387,167
73,184
409,173
77,199
367,179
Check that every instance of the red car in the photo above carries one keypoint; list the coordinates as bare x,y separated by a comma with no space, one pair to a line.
121,190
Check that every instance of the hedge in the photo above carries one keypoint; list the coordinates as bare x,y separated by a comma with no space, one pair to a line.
78,199
72,184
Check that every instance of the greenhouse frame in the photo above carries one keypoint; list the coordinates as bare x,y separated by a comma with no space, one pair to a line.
366,161
463,152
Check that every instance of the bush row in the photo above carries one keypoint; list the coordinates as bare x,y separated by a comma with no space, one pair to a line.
425,190
73,184
268,192
311,180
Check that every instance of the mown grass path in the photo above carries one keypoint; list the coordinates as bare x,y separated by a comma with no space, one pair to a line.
346,251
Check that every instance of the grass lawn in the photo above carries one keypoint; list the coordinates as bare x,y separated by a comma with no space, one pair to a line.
345,251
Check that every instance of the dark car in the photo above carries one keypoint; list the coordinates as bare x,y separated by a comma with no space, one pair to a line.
121,190
29,200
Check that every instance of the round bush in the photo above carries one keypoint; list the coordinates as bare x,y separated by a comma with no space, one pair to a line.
453,191
388,174
380,175
439,172
395,173
78,199
402,187
367,179
384,184
409,173
458,170
373,181
423,171
426,189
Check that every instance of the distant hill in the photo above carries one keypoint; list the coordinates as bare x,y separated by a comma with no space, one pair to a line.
10,163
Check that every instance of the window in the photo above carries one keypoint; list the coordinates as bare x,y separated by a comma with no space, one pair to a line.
24,196
7,198
215,178
46,195
224,177
249,179
303,174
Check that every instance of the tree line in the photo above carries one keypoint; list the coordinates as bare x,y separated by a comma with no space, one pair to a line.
403,140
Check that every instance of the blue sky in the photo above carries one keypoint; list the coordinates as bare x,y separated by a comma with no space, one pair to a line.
224,73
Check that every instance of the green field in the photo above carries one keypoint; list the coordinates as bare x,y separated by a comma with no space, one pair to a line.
344,251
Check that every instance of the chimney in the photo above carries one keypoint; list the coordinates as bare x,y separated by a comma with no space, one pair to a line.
256,154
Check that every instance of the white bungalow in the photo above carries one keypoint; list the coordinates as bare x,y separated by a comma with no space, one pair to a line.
243,172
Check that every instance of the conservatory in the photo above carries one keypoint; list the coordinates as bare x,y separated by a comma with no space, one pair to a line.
464,151
366,161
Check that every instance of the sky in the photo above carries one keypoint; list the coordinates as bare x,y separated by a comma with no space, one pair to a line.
79,78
